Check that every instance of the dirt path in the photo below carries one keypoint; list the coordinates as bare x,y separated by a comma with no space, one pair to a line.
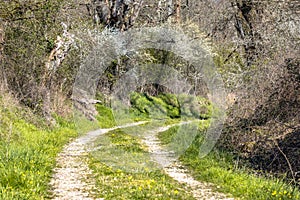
72,179
175,169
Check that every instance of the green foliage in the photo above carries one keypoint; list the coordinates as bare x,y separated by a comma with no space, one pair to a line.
171,105
170,99
141,103
105,117
159,104
195,107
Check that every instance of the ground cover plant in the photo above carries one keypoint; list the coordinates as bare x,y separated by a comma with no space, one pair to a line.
164,106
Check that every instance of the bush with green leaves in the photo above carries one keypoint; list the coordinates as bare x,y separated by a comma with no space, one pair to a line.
171,105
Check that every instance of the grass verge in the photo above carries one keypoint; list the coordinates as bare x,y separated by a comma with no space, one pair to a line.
164,107
28,152
124,170
222,169
106,118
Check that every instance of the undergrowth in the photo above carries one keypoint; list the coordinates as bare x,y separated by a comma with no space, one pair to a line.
165,107
107,119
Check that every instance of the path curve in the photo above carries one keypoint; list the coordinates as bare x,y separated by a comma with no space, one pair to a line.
174,168
72,179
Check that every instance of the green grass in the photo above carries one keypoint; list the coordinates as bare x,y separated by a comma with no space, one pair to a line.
171,135
124,170
108,118
105,117
28,148
217,167
221,169
28,152
122,166
168,107
172,106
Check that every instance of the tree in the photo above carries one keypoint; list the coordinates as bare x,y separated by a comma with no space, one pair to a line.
116,14
32,50
2,75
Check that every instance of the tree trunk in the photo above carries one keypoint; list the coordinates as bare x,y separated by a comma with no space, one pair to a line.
178,11
47,102
3,82
170,8
116,14
54,61
244,27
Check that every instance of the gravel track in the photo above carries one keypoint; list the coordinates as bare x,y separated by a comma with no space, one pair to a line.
73,180
174,168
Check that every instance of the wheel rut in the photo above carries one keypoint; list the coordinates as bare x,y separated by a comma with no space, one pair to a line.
72,179
174,168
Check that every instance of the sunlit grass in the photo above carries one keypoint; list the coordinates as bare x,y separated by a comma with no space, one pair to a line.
28,153
108,118
26,163
222,169
124,170
166,107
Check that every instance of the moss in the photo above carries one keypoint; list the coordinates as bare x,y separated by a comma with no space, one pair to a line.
160,106
105,117
170,99
168,105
